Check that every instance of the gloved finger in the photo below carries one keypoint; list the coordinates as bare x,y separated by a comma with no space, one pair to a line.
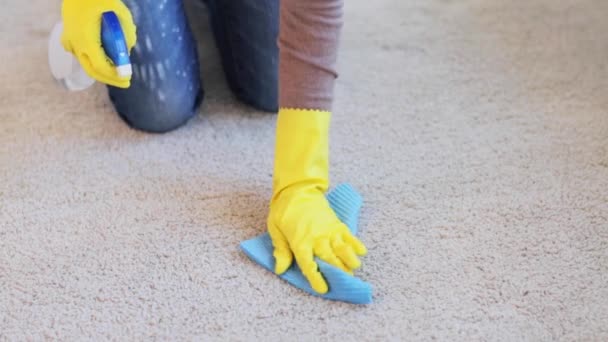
102,68
65,42
94,71
103,65
345,253
355,243
128,25
282,253
310,269
324,251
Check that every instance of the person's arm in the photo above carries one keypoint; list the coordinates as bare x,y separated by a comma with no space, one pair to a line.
308,46
301,223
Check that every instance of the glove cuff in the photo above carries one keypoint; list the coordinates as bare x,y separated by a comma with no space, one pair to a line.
302,149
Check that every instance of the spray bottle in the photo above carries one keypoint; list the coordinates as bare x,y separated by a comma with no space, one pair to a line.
66,69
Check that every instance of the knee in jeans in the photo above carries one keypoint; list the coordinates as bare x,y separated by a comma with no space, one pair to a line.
157,113
261,100
259,91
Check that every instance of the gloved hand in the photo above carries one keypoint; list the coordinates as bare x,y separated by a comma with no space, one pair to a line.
82,36
300,222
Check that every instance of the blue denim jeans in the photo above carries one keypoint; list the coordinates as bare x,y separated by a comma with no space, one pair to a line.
166,89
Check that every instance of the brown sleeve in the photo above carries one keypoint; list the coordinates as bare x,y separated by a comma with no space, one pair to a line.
308,44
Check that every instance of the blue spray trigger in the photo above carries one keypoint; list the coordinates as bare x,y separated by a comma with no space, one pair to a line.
115,44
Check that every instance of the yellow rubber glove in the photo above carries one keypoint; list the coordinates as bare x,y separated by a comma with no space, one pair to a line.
82,36
300,222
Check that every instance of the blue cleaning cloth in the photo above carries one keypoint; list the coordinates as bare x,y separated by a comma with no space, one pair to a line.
346,202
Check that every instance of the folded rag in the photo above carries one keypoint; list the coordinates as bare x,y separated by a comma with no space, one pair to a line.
346,202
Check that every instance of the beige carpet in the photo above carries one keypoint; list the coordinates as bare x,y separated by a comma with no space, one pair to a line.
476,130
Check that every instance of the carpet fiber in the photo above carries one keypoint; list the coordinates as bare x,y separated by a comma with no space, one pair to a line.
476,131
